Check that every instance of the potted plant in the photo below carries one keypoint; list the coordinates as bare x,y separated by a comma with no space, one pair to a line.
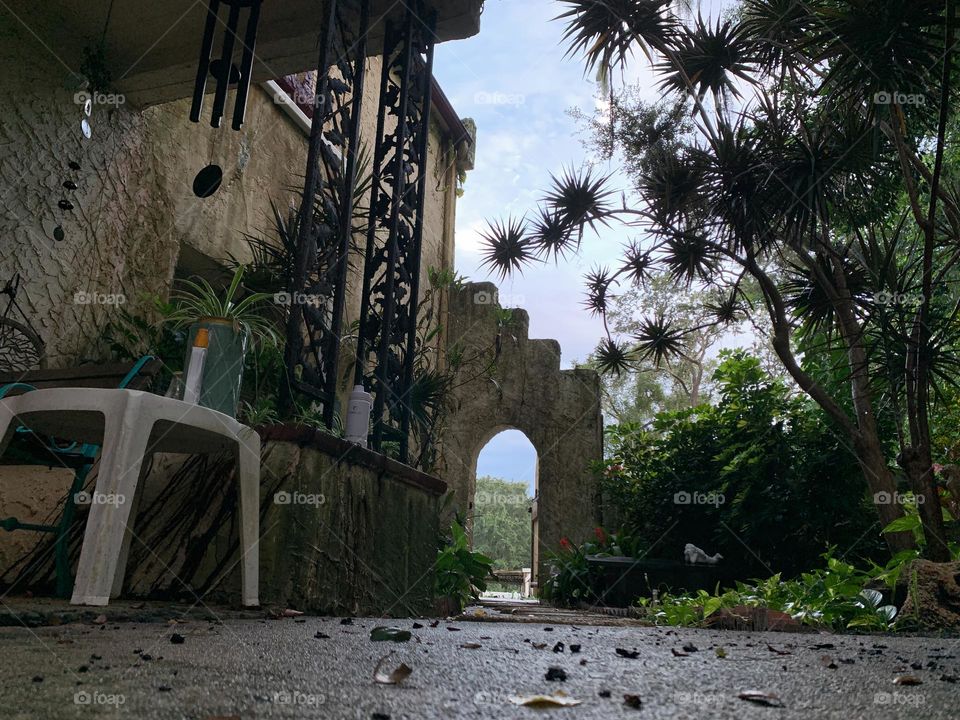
231,321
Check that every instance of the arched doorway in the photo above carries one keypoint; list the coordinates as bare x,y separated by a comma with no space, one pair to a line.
558,410
504,510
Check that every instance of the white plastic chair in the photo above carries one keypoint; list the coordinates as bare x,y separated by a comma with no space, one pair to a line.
132,424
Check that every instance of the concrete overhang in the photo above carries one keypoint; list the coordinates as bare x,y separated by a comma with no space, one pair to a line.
153,46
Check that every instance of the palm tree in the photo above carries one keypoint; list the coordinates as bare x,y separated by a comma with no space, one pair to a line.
816,174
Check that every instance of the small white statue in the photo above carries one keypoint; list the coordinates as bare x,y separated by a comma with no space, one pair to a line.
695,556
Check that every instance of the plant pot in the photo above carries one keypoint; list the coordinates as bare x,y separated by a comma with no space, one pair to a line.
446,606
223,367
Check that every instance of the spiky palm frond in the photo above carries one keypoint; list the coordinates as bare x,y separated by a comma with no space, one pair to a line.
552,235
637,263
598,283
776,28
579,198
727,309
878,46
810,171
659,339
687,258
736,178
605,31
612,357
508,248
671,185
710,57
811,301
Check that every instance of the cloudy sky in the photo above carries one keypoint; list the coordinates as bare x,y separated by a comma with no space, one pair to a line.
514,81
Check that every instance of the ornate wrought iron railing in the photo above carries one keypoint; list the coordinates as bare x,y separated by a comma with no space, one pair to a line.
386,345
325,221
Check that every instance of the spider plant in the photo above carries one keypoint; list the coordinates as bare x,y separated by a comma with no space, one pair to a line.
199,300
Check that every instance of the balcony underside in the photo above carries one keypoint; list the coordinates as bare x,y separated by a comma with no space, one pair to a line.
152,47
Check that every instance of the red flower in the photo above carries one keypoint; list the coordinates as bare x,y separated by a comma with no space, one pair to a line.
601,535
565,544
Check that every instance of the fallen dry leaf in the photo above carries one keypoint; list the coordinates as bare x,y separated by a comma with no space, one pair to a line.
560,699
100,620
291,613
907,680
761,698
394,634
677,653
629,654
772,649
471,646
632,701
395,676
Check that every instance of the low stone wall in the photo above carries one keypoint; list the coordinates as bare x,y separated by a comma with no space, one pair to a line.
343,531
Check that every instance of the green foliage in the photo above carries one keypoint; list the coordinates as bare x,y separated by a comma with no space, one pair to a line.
759,477
501,522
836,597
130,336
198,299
572,580
460,573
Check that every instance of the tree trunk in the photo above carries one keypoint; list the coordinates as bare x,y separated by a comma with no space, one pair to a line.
919,472
883,489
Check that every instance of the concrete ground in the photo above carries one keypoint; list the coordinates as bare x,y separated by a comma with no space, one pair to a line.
314,667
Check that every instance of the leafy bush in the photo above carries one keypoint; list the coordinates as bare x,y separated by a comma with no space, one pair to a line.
836,596
571,580
760,477
460,573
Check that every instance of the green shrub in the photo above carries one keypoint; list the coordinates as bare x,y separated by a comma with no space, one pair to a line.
460,573
571,580
777,486
835,597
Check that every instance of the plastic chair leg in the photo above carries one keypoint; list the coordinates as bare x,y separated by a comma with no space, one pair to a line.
125,443
120,572
248,474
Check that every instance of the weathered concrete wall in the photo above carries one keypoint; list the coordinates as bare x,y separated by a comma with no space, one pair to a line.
343,531
558,410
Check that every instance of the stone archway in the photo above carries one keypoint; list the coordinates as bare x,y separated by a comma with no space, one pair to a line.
558,410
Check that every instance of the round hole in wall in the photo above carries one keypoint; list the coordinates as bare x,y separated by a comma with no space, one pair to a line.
207,181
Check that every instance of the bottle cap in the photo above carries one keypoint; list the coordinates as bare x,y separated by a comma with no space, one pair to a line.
202,338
